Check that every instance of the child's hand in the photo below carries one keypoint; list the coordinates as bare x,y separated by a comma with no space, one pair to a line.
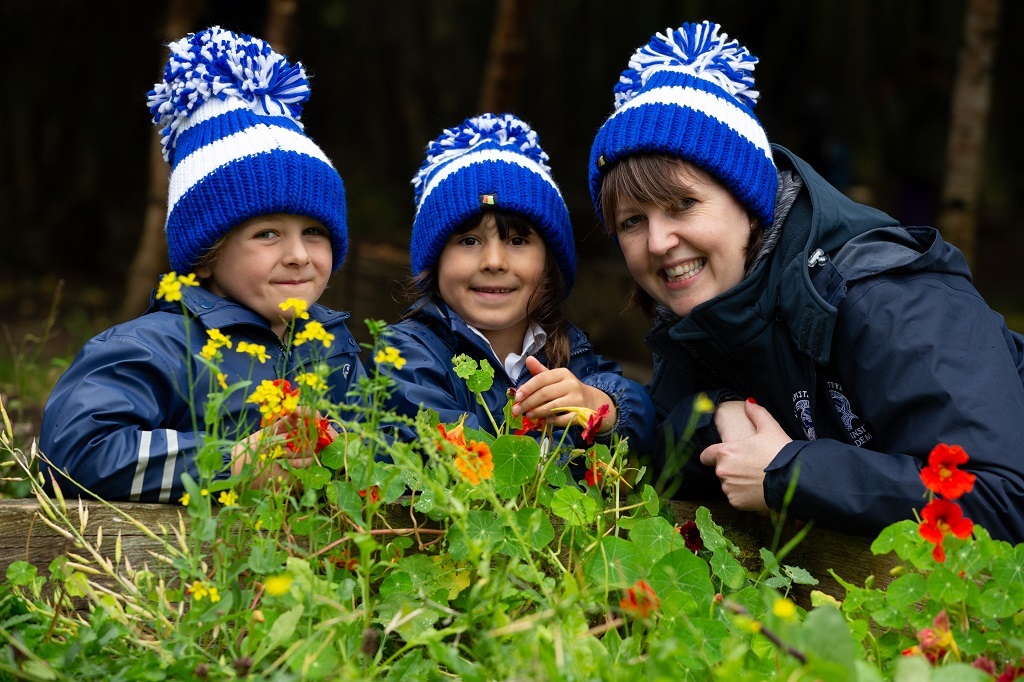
272,440
551,388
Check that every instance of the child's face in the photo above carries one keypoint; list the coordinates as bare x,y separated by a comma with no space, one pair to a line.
689,252
489,281
269,259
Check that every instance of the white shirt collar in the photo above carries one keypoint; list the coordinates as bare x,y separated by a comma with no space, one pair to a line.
514,364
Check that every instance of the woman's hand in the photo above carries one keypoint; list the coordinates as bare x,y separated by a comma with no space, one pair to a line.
749,443
551,388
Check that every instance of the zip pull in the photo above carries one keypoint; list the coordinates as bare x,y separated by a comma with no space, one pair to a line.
817,258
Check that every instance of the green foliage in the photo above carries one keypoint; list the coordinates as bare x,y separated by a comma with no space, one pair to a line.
478,556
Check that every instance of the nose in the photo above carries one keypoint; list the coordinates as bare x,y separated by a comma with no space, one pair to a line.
494,256
662,235
295,252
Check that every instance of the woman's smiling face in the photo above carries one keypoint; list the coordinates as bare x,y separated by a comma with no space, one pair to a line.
686,251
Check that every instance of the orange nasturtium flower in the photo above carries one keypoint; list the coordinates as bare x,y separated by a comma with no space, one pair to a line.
472,459
456,435
939,518
943,475
276,399
640,600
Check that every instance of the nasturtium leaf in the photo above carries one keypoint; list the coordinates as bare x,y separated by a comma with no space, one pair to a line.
314,477
896,537
481,531
710,532
652,503
515,463
478,377
728,568
615,563
555,475
799,575
21,573
314,659
656,537
828,645
535,526
1009,571
333,456
573,506
905,590
998,603
347,498
946,586
683,571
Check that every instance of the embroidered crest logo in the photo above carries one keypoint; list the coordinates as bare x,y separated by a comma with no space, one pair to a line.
859,434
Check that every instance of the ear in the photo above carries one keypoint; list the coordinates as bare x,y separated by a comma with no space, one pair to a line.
204,272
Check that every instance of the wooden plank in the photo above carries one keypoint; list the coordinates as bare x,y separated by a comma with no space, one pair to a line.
25,537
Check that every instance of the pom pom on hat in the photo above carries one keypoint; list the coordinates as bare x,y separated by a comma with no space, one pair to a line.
488,162
689,93
228,108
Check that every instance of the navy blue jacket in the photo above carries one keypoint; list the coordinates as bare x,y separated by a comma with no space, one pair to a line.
120,420
430,339
869,344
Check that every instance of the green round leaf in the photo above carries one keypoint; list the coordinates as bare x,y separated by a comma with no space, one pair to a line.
573,506
656,536
515,463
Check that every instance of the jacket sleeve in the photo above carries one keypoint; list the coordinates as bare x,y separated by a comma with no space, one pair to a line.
927,362
425,379
108,424
635,411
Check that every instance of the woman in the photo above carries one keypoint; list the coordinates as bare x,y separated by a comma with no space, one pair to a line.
838,347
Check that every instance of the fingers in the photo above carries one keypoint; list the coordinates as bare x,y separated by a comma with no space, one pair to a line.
551,388
534,365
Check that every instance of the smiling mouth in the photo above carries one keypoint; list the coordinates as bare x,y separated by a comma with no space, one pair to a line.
492,290
684,271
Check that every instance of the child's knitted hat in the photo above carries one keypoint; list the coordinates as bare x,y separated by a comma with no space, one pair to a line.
488,162
689,93
229,107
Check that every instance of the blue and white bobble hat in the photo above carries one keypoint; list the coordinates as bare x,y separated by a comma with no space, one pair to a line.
488,162
689,93
229,109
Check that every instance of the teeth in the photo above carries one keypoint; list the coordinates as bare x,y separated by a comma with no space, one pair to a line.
686,269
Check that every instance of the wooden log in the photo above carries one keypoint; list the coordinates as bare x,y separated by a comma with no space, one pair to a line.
25,537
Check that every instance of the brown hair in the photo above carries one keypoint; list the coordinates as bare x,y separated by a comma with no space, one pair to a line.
546,305
210,257
655,179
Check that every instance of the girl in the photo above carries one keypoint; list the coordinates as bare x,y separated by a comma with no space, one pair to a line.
858,344
493,258
257,212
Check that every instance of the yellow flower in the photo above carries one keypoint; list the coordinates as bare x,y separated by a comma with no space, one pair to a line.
171,284
276,398
256,350
209,350
214,594
784,608
314,331
228,498
222,379
298,305
200,591
390,355
219,337
185,499
169,288
278,584
204,492
312,380
703,404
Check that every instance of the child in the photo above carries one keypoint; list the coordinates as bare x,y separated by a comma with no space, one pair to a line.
257,212
492,252
857,343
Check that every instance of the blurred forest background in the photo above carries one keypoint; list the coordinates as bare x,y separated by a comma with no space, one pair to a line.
861,88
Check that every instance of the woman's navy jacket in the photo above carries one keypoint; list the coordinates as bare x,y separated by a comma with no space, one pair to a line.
435,334
120,421
869,344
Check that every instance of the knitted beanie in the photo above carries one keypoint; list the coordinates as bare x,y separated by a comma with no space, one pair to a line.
228,108
488,162
689,93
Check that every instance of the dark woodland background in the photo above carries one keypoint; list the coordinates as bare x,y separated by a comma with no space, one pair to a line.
861,88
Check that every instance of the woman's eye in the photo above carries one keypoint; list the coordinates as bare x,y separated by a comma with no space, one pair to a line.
683,204
631,222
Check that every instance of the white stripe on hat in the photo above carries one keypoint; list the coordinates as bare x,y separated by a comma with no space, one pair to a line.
489,155
706,103
258,139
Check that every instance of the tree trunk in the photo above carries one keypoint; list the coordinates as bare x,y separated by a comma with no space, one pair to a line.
506,63
278,28
968,124
151,256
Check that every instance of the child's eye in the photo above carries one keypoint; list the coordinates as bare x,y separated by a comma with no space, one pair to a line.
519,240
265,234
469,240
315,232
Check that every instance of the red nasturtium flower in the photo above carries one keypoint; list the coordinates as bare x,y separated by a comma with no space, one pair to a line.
456,435
941,517
594,473
373,494
640,600
301,437
691,536
531,425
943,475
589,419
